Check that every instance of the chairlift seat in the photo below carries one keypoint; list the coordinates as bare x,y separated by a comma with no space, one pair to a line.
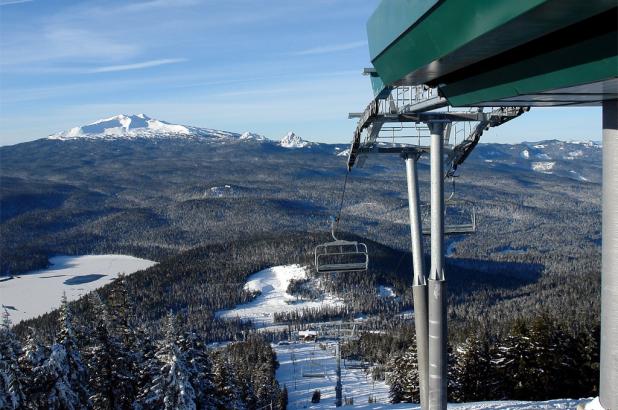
341,256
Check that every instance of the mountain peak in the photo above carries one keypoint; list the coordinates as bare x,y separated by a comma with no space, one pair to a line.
124,126
291,140
252,136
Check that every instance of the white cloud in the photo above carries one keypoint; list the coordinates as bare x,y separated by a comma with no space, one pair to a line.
331,48
137,66
156,4
9,2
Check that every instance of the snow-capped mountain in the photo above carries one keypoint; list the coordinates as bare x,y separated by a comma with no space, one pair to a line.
137,126
578,160
251,136
292,140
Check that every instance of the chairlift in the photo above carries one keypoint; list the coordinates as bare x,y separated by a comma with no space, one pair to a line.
362,365
459,216
314,369
341,256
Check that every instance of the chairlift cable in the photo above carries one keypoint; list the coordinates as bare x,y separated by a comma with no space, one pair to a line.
345,184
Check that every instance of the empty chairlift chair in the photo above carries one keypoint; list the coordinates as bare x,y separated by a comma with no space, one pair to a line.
341,256
459,217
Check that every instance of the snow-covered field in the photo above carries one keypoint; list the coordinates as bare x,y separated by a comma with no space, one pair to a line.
295,358
32,294
298,358
273,284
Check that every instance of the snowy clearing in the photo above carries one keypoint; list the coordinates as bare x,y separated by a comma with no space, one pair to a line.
296,358
273,284
31,294
544,167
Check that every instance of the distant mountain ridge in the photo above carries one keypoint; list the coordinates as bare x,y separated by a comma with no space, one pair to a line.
140,126
576,160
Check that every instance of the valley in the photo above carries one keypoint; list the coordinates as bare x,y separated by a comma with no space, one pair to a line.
227,223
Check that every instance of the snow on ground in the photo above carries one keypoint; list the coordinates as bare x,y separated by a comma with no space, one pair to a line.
577,176
544,167
31,294
273,284
451,247
386,292
220,191
297,357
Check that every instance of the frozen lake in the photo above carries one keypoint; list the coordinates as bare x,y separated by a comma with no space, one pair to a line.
31,294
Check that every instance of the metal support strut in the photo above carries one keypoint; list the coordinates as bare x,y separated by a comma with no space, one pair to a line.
419,282
608,387
436,287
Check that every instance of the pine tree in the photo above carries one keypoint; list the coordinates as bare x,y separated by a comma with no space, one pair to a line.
76,370
11,377
31,361
171,387
127,353
200,370
226,385
63,374
471,369
403,379
111,387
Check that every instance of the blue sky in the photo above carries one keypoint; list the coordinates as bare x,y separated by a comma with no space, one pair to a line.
267,66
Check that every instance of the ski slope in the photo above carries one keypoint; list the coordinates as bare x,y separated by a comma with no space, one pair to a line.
32,294
272,283
296,357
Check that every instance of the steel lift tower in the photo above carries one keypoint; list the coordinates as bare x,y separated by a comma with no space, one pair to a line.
443,64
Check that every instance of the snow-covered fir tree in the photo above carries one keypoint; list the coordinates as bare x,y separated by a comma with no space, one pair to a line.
226,384
171,387
403,378
200,370
63,374
122,326
112,381
32,360
11,378
471,370
76,369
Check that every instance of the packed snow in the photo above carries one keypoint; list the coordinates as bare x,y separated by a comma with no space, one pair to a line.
386,292
577,176
544,167
292,140
221,191
272,283
296,358
31,294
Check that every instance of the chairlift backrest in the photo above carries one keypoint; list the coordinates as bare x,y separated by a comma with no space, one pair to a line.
459,218
341,256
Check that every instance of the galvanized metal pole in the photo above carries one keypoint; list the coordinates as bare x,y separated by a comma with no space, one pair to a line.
338,386
608,387
419,281
436,287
